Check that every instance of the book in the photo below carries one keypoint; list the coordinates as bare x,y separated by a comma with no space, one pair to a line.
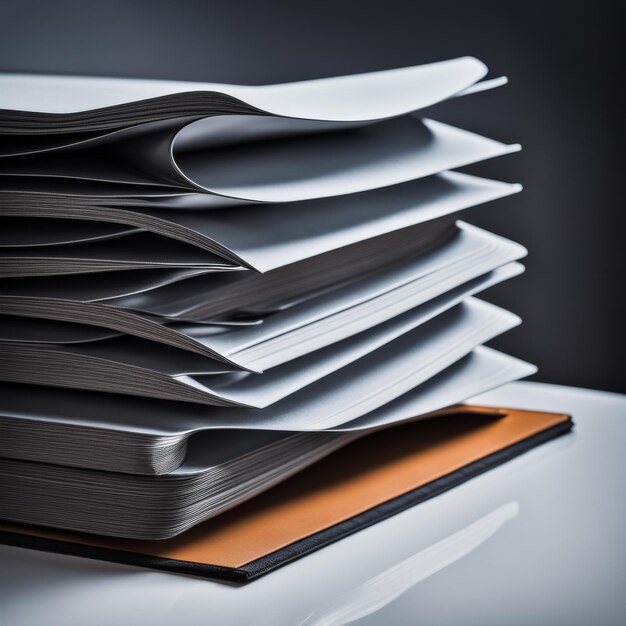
361,484
206,289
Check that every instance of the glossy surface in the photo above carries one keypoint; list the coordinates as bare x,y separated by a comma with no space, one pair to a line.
539,540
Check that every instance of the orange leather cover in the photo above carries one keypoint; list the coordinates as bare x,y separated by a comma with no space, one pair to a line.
382,467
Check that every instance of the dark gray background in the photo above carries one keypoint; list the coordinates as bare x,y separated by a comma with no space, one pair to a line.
561,104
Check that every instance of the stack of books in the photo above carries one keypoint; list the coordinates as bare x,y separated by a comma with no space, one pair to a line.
206,288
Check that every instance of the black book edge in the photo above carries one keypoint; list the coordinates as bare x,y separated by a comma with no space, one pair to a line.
254,569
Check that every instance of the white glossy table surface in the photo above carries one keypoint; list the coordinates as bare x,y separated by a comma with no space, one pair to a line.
539,540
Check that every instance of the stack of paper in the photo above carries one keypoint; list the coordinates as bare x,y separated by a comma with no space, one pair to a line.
206,288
